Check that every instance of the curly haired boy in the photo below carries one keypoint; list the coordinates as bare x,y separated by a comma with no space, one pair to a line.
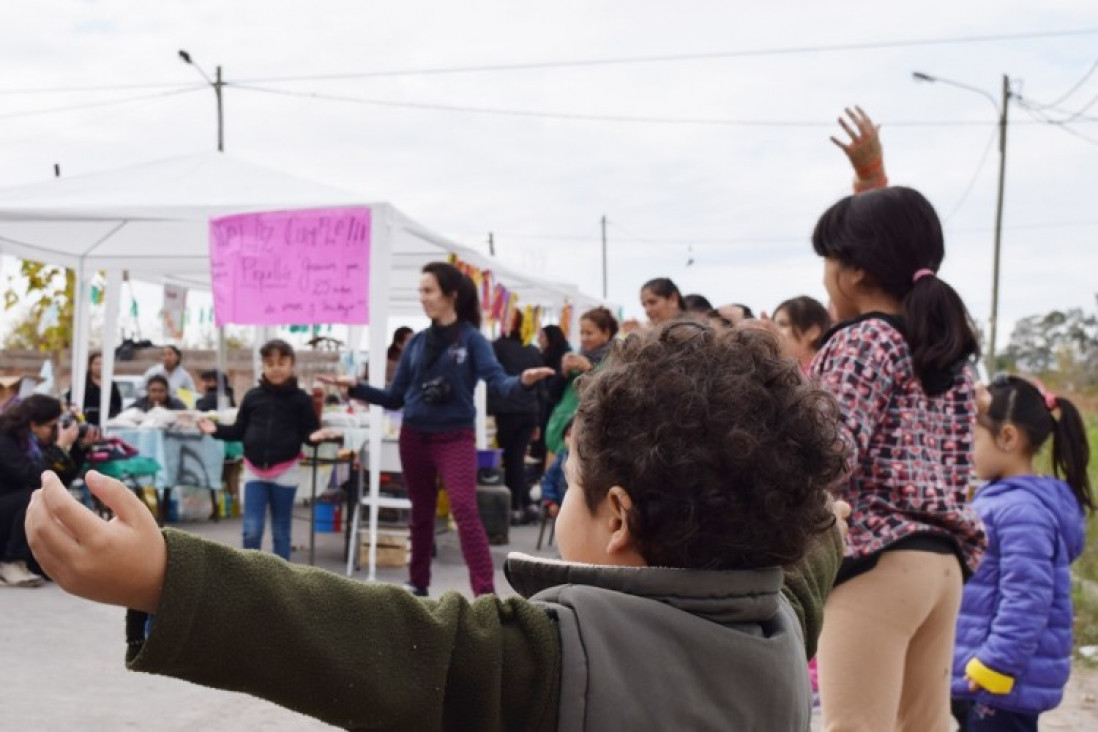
699,469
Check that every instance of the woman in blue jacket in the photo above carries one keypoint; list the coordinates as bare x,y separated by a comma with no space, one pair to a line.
434,384
1014,635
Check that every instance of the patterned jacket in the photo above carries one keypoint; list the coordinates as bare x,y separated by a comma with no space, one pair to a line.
910,453
1014,631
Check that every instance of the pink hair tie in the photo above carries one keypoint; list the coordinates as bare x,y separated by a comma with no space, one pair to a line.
921,274
1048,396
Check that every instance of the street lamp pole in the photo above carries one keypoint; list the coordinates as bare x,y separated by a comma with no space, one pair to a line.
1001,108
217,84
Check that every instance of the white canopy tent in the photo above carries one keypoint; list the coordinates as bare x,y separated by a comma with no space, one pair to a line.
152,220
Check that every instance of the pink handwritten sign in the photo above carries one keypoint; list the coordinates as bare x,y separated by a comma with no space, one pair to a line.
308,267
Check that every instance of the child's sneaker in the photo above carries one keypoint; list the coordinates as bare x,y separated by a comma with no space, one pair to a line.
16,574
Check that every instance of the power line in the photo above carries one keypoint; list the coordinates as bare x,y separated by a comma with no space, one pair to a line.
91,105
578,63
728,240
584,117
1060,124
94,88
975,176
783,51
1067,95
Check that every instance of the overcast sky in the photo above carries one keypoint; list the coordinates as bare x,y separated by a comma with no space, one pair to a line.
724,209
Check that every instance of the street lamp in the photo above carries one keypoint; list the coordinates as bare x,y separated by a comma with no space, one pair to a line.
1001,109
216,84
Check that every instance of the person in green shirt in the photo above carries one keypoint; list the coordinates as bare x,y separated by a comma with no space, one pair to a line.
700,466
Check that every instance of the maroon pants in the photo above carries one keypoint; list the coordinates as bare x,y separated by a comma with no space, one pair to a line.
424,456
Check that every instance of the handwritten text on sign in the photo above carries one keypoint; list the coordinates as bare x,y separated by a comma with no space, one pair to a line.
307,267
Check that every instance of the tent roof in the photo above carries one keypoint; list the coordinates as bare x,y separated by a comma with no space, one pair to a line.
153,221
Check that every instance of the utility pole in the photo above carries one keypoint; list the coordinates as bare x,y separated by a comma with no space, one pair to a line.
220,115
217,84
604,257
994,320
1001,108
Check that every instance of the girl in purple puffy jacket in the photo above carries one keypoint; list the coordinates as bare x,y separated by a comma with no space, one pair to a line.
1014,641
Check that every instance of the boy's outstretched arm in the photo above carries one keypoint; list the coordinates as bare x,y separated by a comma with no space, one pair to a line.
120,562
360,656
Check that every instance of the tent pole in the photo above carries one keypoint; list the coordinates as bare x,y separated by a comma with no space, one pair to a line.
111,300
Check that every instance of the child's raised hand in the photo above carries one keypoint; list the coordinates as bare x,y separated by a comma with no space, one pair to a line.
206,427
120,562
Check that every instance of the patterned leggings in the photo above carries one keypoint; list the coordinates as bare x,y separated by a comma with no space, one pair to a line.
424,456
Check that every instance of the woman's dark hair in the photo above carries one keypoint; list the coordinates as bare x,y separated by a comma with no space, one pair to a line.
748,313
92,356
178,353
664,287
726,451
602,319
803,313
453,282
157,379
35,409
1032,410
515,331
893,234
277,347
556,347
398,342
696,304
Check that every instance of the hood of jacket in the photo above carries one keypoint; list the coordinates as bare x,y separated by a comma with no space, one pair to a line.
1056,496
729,639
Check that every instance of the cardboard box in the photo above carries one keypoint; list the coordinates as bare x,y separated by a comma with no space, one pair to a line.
392,550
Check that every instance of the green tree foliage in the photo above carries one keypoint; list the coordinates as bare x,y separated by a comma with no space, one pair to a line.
46,287
1064,342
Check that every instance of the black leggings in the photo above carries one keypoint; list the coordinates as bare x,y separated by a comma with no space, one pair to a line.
513,433
13,534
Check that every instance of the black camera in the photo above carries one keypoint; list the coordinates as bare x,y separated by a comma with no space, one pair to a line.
69,419
437,391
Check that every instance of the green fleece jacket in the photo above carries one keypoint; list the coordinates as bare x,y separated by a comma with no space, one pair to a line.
372,656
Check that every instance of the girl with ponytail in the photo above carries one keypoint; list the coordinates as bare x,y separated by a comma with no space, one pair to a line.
1014,635
898,364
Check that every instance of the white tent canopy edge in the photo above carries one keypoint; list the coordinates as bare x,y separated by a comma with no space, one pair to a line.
152,220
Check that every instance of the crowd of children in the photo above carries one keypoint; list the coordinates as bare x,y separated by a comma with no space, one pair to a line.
731,494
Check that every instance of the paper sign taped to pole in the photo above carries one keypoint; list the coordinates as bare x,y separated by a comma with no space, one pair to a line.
310,266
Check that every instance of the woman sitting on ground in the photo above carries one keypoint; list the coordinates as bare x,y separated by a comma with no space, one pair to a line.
32,441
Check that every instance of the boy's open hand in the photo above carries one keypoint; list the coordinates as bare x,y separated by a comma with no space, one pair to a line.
206,427
120,562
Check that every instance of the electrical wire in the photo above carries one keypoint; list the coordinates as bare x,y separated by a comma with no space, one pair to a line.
579,63
92,105
975,176
1067,95
1061,124
582,117
783,51
93,88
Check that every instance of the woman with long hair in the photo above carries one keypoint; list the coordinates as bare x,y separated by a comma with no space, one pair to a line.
434,384
32,440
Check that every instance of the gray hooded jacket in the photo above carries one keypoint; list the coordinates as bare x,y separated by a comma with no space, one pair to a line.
653,648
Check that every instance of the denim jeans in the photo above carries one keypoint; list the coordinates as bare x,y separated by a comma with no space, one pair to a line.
258,494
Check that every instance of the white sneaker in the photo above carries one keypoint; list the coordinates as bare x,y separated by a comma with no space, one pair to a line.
16,574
